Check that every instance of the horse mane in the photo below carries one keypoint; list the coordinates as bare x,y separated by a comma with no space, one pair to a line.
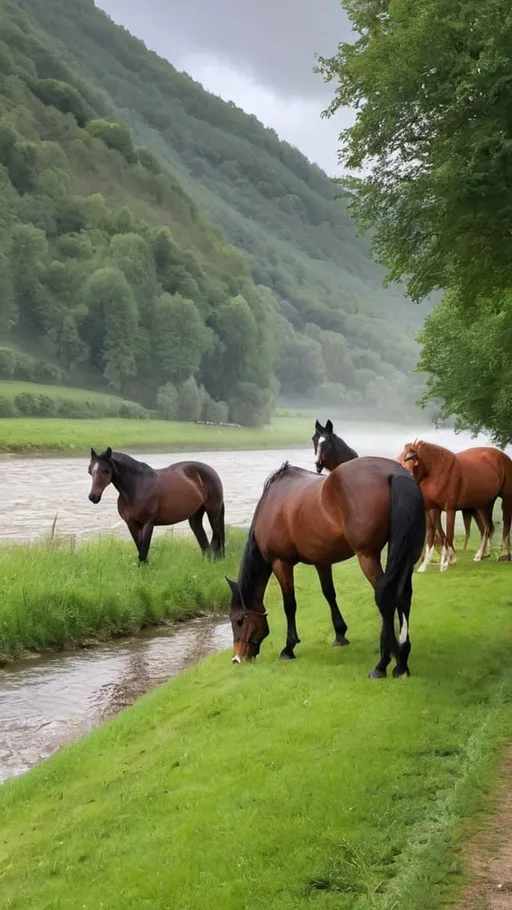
431,453
253,564
130,465
285,468
340,444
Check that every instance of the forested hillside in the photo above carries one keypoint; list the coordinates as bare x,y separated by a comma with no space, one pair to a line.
110,275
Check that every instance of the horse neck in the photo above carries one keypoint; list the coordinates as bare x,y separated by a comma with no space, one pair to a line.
126,481
254,575
436,458
343,453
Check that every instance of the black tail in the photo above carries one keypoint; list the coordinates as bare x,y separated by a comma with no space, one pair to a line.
406,538
219,534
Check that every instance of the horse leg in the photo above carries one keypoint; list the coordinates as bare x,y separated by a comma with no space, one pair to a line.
145,540
135,530
448,553
432,516
506,505
404,609
196,525
467,515
329,592
218,544
372,568
483,518
284,574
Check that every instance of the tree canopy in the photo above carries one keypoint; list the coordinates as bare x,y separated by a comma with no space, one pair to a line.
431,84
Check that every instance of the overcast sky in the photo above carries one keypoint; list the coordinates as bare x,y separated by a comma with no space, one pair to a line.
254,53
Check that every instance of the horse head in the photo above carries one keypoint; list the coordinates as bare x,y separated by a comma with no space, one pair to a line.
323,445
101,469
250,627
411,459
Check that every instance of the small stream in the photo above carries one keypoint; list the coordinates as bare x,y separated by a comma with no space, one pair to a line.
48,701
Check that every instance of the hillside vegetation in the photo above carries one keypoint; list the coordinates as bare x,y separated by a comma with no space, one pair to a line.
110,276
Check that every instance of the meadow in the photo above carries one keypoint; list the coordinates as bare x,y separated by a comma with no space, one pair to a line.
283,785
54,595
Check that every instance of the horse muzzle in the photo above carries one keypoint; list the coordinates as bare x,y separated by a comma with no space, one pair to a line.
319,468
95,497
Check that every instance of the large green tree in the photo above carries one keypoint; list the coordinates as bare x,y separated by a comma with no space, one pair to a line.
431,85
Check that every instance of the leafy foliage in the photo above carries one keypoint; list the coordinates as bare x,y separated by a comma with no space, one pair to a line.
110,265
431,83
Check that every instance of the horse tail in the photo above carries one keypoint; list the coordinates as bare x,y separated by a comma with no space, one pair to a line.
406,538
222,529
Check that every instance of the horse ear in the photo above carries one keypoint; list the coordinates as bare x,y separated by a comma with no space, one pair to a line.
93,453
108,452
329,427
235,590
318,426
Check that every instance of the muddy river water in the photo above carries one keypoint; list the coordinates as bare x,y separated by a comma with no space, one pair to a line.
48,701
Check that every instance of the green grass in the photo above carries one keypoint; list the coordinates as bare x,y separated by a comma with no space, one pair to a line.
282,786
10,388
55,596
36,434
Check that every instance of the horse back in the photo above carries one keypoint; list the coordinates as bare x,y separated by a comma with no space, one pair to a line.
485,472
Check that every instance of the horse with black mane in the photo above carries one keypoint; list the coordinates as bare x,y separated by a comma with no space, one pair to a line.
320,520
149,497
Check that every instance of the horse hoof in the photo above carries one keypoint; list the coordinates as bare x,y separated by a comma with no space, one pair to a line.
377,674
422,569
401,674
286,655
506,557
340,642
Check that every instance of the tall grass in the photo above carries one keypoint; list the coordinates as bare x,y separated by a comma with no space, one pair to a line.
54,594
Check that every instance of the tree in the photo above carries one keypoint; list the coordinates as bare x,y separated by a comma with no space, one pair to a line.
430,82
467,356
114,321
180,338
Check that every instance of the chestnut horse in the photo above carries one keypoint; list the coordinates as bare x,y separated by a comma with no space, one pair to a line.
149,497
302,517
330,451
473,478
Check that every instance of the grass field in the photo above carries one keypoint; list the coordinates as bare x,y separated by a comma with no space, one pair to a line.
283,786
11,388
40,435
54,596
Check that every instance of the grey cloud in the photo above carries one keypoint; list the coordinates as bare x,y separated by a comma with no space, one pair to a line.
259,37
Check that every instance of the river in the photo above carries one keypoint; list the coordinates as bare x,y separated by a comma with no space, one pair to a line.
46,702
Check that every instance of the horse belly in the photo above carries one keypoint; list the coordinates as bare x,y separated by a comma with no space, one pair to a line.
174,508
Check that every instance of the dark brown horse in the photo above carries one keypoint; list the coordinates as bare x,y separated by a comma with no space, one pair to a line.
473,479
149,497
302,517
330,450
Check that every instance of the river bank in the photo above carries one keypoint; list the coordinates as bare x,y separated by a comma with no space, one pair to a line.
56,595
274,785
40,435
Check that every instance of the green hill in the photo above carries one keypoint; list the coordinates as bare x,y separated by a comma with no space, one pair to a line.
112,277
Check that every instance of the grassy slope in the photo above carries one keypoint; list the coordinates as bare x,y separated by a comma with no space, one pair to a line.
53,596
282,785
38,434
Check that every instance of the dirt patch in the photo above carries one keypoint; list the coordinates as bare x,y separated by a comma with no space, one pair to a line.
489,854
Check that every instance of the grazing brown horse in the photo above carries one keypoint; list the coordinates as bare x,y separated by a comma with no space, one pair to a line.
149,497
302,517
473,478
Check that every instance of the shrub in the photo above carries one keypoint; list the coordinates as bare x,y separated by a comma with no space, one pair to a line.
189,400
167,402
133,411
7,363
7,407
